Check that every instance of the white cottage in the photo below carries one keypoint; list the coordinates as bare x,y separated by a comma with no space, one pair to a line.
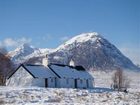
72,77
53,75
32,75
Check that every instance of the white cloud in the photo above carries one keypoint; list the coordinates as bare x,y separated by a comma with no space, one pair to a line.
132,53
64,38
10,42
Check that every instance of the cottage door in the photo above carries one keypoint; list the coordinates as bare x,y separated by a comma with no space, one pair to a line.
46,82
55,82
87,83
75,83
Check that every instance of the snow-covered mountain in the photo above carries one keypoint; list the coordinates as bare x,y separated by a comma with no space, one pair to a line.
92,51
26,52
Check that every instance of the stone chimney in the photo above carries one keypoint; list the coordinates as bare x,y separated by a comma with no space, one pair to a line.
71,63
45,61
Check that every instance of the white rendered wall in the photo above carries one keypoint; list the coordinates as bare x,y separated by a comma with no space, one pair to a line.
20,78
38,82
90,83
51,82
67,83
82,84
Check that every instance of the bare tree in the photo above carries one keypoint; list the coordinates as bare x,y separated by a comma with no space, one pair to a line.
120,81
6,65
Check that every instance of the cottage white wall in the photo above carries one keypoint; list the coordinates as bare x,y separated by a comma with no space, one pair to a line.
62,83
20,78
90,83
38,82
23,78
66,83
58,82
51,82
82,84
41,82
71,82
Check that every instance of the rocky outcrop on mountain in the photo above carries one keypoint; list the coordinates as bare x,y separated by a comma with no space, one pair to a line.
92,51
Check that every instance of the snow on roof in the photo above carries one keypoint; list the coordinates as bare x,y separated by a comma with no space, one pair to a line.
66,71
40,71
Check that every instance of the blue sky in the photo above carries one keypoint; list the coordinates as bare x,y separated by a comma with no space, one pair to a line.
48,23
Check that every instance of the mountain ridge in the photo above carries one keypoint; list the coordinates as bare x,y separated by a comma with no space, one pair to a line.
90,50
25,52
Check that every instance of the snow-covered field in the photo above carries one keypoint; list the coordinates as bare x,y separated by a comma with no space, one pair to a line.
97,96
47,96
104,79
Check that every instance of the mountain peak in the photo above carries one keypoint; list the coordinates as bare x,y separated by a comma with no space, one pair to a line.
25,46
26,52
92,51
23,50
85,37
91,34
81,38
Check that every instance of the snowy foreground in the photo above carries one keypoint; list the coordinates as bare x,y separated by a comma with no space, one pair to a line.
96,96
50,96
